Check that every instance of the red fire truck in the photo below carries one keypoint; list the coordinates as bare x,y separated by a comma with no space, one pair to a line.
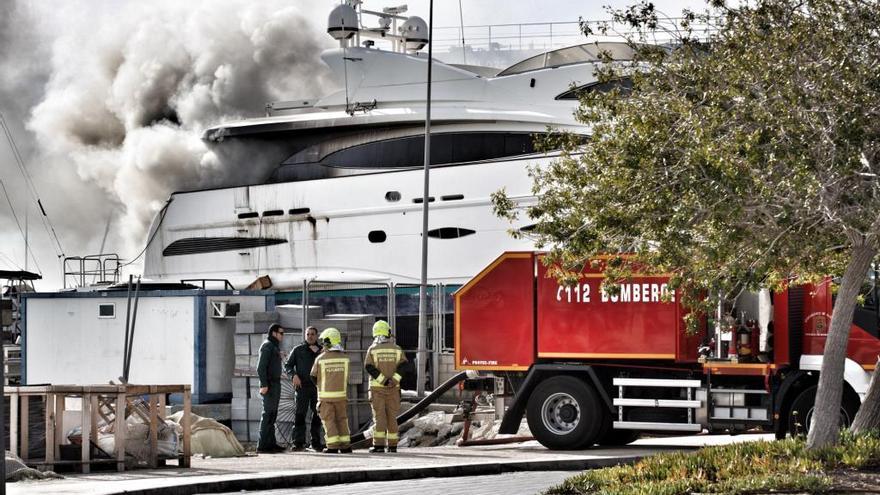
588,366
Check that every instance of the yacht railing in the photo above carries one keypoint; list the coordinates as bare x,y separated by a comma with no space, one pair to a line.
530,38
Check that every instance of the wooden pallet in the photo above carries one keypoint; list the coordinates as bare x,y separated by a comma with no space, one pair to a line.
98,401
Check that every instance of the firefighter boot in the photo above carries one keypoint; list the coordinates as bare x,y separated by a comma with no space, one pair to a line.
377,450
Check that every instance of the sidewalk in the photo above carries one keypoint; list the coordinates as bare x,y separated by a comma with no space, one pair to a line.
266,472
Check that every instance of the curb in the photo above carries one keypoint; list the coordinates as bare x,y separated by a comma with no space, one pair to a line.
391,474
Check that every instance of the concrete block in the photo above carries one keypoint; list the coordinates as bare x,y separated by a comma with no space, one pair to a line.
242,344
254,322
240,388
254,431
254,409
242,362
291,315
256,340
240,429
239,411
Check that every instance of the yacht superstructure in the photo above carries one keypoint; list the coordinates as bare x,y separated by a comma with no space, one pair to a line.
342,198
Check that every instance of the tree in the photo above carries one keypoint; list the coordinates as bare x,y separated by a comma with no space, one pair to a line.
745,158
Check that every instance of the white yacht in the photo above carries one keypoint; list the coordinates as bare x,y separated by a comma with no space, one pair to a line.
342,200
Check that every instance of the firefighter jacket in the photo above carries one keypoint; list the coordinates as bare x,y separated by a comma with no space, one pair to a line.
269,365
300,363
383,362
330,373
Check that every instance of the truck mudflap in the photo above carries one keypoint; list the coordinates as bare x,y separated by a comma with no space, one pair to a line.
513,416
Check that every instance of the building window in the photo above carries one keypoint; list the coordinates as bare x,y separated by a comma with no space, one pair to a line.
449,232
107,310
377,236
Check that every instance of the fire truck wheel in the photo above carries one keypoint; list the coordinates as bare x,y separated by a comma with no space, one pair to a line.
564,413
611,437
801,413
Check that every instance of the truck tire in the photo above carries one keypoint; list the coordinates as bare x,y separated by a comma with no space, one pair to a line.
609,437
801,412
564,413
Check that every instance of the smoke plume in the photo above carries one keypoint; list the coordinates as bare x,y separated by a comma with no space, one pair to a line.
114,98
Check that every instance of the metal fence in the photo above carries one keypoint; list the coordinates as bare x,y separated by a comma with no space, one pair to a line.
396,303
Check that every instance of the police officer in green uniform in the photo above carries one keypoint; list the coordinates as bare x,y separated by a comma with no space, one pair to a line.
269,371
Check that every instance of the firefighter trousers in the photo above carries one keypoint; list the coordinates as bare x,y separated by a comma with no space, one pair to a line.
385,402
334,415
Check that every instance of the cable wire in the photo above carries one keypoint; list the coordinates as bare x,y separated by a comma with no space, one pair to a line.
46,221
163,211
20,229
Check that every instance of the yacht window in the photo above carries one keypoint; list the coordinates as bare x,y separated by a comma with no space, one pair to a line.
406,152
422,200
588,52
449,233
392,196
107,310
273,213
624,84
200,245
299,211
377,236
250,214
528,228
452,197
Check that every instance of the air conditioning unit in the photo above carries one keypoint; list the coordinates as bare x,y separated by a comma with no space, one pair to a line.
224,309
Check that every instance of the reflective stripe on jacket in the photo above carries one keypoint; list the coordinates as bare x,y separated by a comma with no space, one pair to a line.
331,375
386,357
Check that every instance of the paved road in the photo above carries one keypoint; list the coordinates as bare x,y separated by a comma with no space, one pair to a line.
526,483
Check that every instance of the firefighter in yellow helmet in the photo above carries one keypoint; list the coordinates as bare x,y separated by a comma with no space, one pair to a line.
330,373
383,362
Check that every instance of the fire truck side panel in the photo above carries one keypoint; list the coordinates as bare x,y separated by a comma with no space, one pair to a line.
494,328
581,322
863,348
781,326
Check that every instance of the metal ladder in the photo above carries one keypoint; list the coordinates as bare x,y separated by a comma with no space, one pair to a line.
691,404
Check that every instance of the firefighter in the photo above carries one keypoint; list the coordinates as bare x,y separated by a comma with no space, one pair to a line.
383,362
330,373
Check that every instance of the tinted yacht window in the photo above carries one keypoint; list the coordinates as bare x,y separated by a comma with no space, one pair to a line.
445,149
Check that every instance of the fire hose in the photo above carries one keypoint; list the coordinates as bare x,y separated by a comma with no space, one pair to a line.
422,404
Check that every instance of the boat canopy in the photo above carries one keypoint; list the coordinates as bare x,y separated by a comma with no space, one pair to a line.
578,54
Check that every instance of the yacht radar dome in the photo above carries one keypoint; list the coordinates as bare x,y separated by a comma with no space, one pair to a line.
343,22
415,33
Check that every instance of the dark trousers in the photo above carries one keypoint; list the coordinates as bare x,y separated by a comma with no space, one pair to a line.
270,414
307,400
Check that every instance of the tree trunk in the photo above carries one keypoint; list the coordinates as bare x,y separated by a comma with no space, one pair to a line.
868,417
825,428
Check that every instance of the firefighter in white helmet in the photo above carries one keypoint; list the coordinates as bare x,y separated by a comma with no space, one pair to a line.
330,373
383,363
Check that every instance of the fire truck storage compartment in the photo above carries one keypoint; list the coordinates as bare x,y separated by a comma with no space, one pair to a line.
496,309
509,318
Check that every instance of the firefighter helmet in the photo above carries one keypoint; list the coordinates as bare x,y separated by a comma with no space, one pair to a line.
330,337
381,328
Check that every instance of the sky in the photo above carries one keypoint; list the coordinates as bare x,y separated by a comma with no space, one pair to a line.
106,99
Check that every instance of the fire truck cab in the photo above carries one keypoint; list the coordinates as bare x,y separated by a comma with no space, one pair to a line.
590,367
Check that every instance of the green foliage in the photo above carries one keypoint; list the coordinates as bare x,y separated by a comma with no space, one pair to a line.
748,467
734,162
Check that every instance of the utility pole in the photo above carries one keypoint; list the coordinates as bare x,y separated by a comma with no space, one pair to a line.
422,355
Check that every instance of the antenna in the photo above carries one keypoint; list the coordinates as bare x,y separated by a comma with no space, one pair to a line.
461,23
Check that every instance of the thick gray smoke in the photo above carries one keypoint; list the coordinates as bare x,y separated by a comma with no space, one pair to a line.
115,97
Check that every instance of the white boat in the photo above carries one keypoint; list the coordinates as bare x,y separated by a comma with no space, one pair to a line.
341,195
